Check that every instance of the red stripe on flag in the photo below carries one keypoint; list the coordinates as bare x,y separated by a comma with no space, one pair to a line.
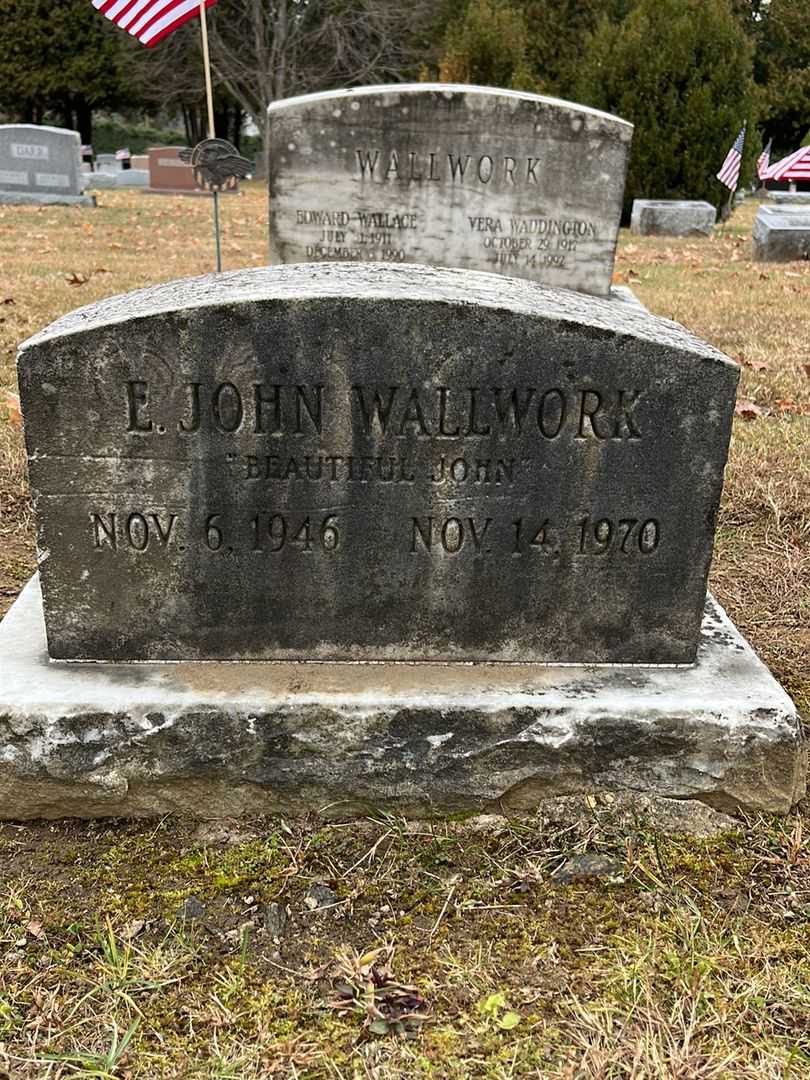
178,22
151,15
139,21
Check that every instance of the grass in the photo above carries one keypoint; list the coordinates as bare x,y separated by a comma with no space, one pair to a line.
450,949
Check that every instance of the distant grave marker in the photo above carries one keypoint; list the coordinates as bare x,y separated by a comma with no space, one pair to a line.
781,233
672,217
168,174
448,175
40,165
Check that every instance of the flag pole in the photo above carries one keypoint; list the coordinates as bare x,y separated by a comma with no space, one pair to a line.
209,96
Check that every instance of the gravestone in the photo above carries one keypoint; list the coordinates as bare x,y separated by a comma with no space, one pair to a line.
781,234
108,163
168,174
140,162
672,217
448,175
40,165
536,455
389,463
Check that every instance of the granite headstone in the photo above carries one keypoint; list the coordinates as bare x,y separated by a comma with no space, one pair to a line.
40,165
168,173
373,462
448,175
108,163
781,233
672,217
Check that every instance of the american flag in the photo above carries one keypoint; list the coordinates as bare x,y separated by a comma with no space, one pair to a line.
150,20
795,166
730,169
764,160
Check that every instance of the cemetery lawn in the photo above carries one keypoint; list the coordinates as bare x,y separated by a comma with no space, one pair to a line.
586,941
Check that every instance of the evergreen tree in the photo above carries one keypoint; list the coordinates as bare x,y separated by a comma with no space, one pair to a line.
488,46
681,72
782,69
60,60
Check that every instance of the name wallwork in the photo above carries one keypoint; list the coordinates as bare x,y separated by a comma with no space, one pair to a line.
403,412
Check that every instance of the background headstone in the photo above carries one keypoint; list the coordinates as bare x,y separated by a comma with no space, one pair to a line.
108,163
140,161
373,462
781,233
40,164
672,217
167,173
448,175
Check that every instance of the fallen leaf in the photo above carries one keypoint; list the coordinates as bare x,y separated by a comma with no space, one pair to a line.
34,928
749,410
74,278
10,407
806,368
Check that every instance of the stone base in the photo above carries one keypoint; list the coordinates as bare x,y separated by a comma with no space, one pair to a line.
34,198
123,178
221,739
799,198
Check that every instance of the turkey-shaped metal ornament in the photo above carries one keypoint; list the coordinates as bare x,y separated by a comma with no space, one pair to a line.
217,164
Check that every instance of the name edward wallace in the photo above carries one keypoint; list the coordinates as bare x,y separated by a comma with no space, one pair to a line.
436,412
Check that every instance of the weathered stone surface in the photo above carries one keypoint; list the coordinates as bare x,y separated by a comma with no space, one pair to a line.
373,462
225,739
44,162
447,175
672,217
781,234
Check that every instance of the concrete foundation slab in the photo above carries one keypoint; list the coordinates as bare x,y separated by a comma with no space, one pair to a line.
220,739
33,198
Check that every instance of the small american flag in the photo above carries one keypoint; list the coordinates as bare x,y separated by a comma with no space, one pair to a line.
764,160
150,20
730,169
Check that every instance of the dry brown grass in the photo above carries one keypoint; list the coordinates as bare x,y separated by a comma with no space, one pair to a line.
691,963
